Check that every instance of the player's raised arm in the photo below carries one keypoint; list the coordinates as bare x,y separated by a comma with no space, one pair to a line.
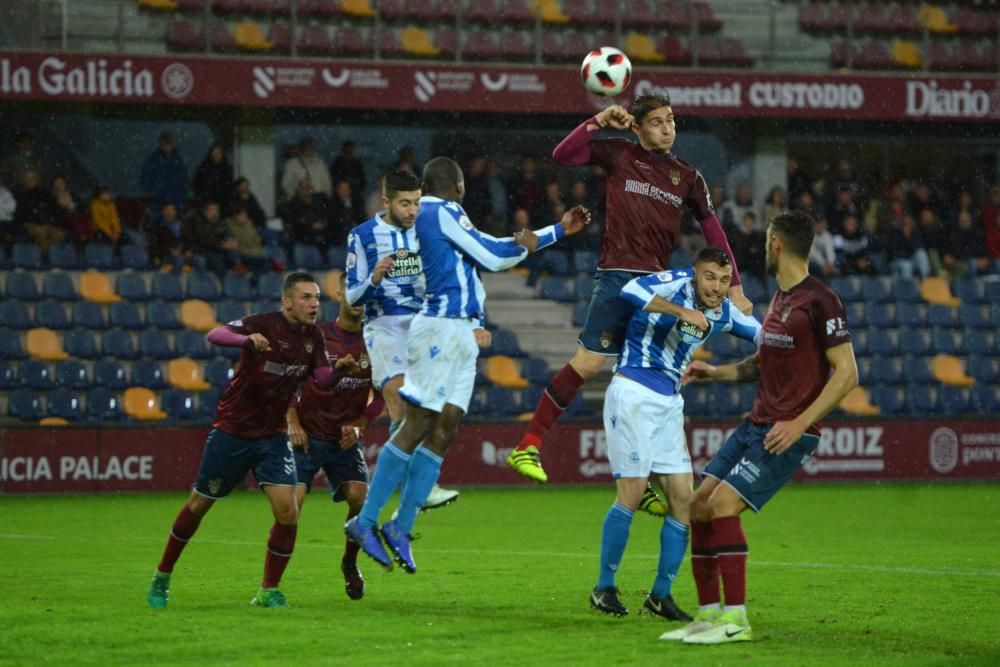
652,293
236,334
744,326
488,252
574,150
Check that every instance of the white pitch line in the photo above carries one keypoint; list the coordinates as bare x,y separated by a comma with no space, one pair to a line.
859,567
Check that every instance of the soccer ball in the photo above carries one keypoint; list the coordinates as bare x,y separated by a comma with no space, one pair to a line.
606,71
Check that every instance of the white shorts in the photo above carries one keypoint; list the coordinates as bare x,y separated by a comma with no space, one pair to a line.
442,355
385,338
645,431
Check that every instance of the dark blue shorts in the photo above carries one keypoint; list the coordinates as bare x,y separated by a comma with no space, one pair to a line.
339,465
754,473
608,314
227,460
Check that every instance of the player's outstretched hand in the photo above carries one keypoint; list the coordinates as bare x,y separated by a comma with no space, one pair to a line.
526,239
383,267
575,219
347,363
298,436
259,342
697,370
350,434
615,116
694,318
483,337
783,435
739,300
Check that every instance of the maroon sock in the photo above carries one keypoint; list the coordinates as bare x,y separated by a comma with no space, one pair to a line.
351,548
704,563
557,395
280,543
184,527
730,545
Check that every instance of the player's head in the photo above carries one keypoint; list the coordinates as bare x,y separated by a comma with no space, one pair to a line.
443,178
300,298
401,197
789,236
654,123
713,272
348,314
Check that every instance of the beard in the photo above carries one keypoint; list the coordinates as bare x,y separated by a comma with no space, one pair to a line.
771,265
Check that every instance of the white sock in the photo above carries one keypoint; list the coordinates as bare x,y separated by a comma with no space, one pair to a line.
709,607
731,607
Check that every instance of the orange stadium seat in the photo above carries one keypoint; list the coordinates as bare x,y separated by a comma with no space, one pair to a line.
198,315
950,370
640,47
417,42
53,421
140,403
44,344
857,402
504,372
361,8
248,35
936,290
186,374
907,54
158,4
95,287
550,11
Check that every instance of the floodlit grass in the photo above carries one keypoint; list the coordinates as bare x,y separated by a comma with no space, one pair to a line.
838,575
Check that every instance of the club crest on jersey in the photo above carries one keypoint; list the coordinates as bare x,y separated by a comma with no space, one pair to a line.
675,177
605,339
465,223
352,260
786,313
309,347
214,486
364,362
402,253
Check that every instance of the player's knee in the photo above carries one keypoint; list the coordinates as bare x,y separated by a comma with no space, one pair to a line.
199,505
587,364
286,513
699,508
354,494
680,500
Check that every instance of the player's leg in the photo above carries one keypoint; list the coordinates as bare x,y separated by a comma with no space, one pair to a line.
275,472
605,596
673,545
347,474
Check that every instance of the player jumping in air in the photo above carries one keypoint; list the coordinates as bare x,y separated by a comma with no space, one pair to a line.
250,430
805,337
325,427
647,187
676,313
442,348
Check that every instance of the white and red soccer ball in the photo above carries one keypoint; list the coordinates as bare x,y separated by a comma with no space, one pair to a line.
606,71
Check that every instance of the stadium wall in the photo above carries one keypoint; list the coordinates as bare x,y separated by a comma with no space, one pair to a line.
108,460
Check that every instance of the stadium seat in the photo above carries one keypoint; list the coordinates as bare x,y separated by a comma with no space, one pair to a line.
906,54
146,373
948,369
557,262
946,341
877,290
696,401
502,402
73,374
192,344
886,343
180,404
812,18
43,343
64,404
583,287
941,57
724,399
269,287
15,315
21,285
184,36
80,343
580,313
95,287
186,374
480,45
446,40
860,342
10,345
36,374
557,289
153,343
58,285
978,341
879,315
198,315
516,45
329,310
118,344
8,376
219,372
505,342
848,288
26,255
417,42
140,403
131,287
349,41
229,311
163,315
207,402
936,290
249,36
314,40
887,370
389,45
233,287
202,285
104,404
922,399
135,257
917,370
986,399
262,306
970,291
89,315
535,370
911,315
167,287
974,316
99,256
25,404
641,48
985,369
126,315
110,374
707,21
504,371
874,55
910,342
943,316
221,39
858,402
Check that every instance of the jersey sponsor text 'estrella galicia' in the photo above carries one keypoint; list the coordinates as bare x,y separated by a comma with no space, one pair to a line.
401,291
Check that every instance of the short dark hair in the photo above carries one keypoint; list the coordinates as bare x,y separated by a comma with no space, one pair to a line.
440,174
646,103
796,230
293,279
100,190
714,255
342,279
400,180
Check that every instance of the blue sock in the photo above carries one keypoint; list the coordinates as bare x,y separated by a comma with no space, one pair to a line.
673,544
391,468
614,537
421,477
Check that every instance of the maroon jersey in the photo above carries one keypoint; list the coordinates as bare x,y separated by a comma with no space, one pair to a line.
254,404
323,411
645,195
799,327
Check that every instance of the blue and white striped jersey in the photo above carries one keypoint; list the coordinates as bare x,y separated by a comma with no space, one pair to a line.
401,291
453,250
658,347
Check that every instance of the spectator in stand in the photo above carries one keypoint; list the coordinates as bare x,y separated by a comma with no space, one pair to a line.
553,204
525,189
36,215
21,161
347,167
823,258
734,210
991,226
249,246
589,238
243,197
407,159
306,216
935,238
965,203
164,176
966,252
807,204
166,239
922,198
343,215
905,250
104,217
8,206
843,206
498,196
718,195
845,178
214,177
853,247
477,202
775,204
305,164
798,180
69,213
748,244
205,235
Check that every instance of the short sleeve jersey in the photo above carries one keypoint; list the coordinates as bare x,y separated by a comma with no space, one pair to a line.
323,411
800,326
646,193
255,402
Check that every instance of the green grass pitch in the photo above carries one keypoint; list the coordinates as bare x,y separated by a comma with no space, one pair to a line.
839,574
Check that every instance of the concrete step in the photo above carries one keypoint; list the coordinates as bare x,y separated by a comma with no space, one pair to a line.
518,314
508,285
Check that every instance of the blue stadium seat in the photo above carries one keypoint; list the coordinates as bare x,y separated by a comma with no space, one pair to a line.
911,314
696,401
912,341
21,285
219,372
848,288
970,291
922,399
986,399
308,257
36,374
163,315
879,315
955,400
754,289
859,340
583,287
477,403
66,404
724,345
135,257
979,341
974,316
556,262
110,374
886,370
131,287
330,310
578,408
15,315
146,373
207,401
557,289
585,261
505,342
179,404
10,345
889,398
153,343
865,377
80,343
26,255
89,315
943,316
229,311
917,370
885,343
202,285
877,289
946,341
724,399
8,376
3,258
336,257
535,370
104,404
64,256
680,259
995,313
269,288
51,314
276,254
99,256
236,287
126,315
502,402
25,404
73,374
857,318
992,290
192,344
580,313
58,285
167,287
119,344
906,290
984,368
